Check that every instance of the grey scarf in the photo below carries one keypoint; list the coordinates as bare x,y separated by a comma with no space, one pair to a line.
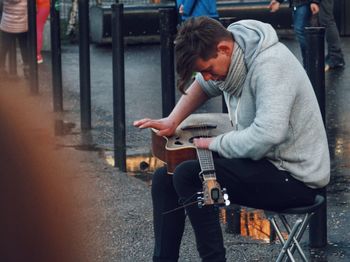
236,75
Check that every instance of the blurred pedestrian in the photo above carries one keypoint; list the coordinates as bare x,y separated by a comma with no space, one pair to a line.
303,10
40,220
14,26
193,8
42,13
335,57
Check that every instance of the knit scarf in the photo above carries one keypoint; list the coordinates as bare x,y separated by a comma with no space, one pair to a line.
236,75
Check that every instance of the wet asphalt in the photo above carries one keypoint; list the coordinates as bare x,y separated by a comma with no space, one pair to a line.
143,99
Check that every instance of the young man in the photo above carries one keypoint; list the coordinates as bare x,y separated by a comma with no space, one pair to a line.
276,155
335,57
302,12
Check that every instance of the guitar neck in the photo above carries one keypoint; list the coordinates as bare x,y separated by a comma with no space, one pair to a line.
206,162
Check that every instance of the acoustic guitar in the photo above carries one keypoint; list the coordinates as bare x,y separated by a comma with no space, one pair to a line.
179,147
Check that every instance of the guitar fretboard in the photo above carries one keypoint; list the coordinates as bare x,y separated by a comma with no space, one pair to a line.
206,162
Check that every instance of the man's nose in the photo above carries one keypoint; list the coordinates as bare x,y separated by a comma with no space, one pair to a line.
207,76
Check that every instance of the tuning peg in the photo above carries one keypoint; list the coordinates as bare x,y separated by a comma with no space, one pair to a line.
227,202
225,196
200,204
200,200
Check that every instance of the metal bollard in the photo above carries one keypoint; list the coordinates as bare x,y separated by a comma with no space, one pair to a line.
167,23
118,87
56,61
315,63
32,63
233,219
84,65
315,69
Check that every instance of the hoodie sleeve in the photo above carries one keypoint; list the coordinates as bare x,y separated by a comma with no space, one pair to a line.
274,98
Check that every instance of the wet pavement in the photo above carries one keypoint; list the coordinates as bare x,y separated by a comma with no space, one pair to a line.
143,98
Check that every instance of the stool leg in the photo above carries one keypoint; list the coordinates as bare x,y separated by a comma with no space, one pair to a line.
283,242
287,244
298,235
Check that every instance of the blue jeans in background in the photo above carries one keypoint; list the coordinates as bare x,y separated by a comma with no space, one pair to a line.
301,19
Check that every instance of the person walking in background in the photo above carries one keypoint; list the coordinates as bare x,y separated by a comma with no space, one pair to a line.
14,25
42,13
193,8
303,10
335,57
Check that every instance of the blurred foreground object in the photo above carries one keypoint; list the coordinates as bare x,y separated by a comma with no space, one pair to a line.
40,217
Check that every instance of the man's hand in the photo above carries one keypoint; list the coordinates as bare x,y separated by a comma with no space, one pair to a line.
274,6
314,8
202,142
165,126
181,9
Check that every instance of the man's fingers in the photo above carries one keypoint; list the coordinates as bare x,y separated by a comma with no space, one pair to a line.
139,123
164,132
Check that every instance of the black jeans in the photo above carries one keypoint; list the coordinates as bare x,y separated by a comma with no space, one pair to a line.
250,183
9,39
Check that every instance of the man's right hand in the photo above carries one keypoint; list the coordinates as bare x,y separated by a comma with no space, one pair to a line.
165,126
274,6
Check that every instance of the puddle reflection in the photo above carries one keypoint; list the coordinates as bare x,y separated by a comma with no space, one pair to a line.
252,223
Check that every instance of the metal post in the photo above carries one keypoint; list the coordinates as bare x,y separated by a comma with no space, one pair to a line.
167,29
118,87
32,63
315,69
84,65
56,62
233,219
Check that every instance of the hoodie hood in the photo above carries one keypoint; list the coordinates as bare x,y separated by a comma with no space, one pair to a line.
253,37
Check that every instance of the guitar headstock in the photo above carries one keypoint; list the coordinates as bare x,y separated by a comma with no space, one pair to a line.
212,194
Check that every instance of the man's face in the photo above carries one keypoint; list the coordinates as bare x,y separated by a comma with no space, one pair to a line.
215,68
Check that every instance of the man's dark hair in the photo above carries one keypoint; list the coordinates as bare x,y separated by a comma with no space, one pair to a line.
198,37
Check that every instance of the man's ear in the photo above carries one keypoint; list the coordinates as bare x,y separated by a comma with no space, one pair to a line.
224,47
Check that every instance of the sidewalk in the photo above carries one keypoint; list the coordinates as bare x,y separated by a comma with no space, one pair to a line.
120,212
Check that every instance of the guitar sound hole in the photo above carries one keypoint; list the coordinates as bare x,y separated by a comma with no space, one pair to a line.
178,143
191,139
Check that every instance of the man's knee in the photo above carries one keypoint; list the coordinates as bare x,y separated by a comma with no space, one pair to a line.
184,171
186,178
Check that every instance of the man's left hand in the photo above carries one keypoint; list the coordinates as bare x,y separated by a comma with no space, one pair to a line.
314,8
202,142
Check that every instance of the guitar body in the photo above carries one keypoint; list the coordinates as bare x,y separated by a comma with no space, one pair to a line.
179,147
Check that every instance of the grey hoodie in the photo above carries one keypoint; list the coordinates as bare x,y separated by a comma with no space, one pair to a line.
277,115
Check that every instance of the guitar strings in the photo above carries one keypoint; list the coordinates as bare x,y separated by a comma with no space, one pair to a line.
183,205
207,154
178,208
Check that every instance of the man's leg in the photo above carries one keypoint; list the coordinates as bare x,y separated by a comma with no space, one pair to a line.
168,228
335,57
41,17
205,221
5,47
301,18
260,184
